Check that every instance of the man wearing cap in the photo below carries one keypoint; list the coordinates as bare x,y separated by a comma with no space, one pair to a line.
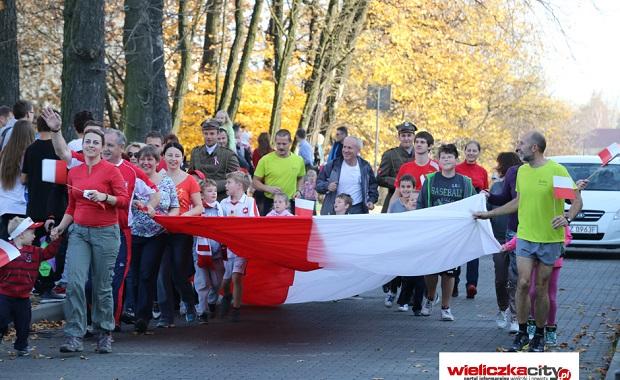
213,160
392,160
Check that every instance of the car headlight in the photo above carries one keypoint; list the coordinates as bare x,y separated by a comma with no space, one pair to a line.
617,215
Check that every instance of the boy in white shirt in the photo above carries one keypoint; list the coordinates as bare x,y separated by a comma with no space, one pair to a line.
236,204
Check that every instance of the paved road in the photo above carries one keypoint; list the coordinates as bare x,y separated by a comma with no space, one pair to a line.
349,339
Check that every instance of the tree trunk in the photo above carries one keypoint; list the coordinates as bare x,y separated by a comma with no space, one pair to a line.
138,94
245,59
83,70
186,35
281,66
231,67
9,58
214,14
161,107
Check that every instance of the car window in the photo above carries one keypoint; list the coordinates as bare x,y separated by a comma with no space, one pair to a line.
606,178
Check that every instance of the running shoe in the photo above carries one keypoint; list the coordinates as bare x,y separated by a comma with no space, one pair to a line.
72,344
551,335
502,319
537,344
203,318
531,328
164,324
427,307
520,342
190,314
25,352
404,307
104,343
446,315
513,327
389,299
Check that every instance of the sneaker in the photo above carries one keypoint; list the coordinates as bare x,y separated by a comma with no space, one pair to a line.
72,344
235,314
404,307
128,317
50,297
502,319
60,291
226,301
537,344
25,352
156,311
551,335
140,326
161,324
531,328
520,342
104,343
190,314
513,327
389,299
203,318
427,307
417,313
446,315
471,291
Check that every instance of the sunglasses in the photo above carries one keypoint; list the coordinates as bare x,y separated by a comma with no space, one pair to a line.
132,154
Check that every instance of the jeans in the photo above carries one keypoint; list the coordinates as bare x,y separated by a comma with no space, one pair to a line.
18,311
471,274
147,253
95,249
177,265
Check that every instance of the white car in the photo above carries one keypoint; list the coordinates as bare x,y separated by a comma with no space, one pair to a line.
596,229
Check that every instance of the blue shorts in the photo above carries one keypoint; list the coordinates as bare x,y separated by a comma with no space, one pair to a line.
546,253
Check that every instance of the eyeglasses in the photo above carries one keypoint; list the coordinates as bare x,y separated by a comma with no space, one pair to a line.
132,154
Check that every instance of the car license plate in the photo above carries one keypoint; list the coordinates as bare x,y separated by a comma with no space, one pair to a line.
583,229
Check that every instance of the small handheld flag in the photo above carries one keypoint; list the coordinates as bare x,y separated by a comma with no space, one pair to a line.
304,207
563,188
54,171
8,253
609,153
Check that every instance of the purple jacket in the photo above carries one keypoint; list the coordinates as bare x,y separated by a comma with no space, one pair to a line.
508,193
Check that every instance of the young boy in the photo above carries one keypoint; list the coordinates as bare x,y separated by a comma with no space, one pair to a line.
236,204
17,279
410,285
342,204
440,188
208,260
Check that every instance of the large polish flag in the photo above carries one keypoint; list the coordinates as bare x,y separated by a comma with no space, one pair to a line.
323,258
8,252
563,187
54,171
609,153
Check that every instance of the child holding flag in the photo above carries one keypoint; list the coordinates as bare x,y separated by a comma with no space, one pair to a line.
17,278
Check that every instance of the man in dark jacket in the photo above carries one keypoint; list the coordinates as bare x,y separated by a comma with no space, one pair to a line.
392,160
350,174
213,160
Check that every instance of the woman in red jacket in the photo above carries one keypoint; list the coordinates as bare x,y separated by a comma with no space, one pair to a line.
480,180
96,189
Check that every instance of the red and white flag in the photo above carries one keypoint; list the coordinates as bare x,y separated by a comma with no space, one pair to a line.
54,171
8,253
304,207
609,153
322,258
563,187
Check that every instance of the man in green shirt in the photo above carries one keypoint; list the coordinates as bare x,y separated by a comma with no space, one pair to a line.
279,172
540,234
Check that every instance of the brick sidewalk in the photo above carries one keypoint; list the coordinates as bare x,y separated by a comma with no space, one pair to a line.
349,339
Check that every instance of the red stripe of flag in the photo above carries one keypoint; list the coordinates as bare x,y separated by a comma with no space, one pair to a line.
609,153
563,188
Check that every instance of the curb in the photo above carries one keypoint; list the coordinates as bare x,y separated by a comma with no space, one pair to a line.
613,373
48,311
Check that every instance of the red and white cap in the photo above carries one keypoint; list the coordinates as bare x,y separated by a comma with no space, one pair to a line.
26,224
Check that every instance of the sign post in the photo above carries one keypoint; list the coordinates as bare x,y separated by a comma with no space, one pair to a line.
378,98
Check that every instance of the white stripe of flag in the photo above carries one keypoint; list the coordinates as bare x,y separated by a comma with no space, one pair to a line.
304,207
563,187
54,171
8,253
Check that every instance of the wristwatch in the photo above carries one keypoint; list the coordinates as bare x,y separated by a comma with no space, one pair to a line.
568,220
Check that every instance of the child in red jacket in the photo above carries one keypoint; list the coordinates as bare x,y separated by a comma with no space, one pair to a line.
17,280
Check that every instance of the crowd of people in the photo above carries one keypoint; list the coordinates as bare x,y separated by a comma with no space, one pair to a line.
114,264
